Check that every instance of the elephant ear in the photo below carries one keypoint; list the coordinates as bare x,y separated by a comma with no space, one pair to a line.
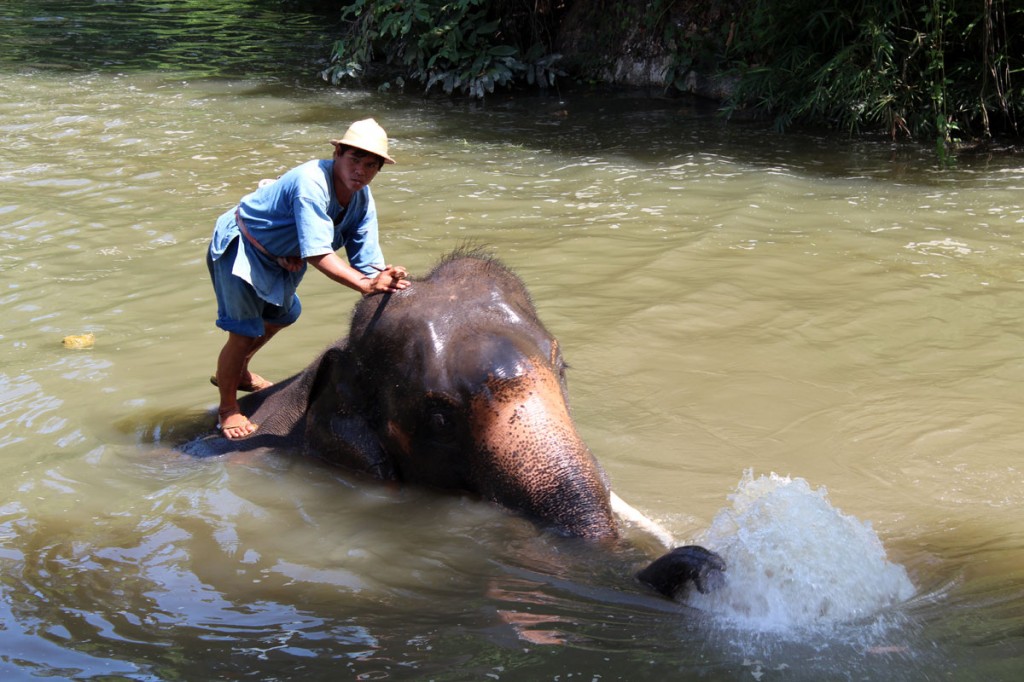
338,427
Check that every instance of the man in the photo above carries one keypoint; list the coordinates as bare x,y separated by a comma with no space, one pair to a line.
260,249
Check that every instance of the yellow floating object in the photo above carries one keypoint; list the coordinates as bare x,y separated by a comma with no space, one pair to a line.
80,340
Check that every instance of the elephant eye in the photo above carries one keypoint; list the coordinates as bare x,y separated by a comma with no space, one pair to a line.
440,419
442,427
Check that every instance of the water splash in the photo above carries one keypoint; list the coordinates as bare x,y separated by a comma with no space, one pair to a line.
795,561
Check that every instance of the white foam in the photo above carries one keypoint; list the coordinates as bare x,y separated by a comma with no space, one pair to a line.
794,561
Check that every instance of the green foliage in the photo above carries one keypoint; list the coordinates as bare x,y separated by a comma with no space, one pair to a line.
697,34
927,69
923,69
467,46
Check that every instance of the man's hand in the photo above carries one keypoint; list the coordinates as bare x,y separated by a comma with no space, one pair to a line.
390,278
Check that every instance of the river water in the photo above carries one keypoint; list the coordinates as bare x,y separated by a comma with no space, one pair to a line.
733,304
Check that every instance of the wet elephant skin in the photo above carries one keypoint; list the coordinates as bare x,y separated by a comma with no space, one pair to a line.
452,383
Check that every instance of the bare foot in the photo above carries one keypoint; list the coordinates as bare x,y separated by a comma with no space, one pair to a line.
234,425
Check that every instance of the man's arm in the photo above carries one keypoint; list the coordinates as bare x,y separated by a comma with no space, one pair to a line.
392,278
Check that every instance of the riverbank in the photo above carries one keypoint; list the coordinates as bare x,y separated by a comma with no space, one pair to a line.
935,73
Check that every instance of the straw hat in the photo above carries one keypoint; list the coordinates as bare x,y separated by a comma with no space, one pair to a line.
368,136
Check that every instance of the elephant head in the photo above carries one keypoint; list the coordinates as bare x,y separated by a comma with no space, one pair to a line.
465,389
453,383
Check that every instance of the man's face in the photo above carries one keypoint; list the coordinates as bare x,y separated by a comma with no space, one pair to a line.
357,168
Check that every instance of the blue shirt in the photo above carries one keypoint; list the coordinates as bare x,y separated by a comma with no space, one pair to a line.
298,215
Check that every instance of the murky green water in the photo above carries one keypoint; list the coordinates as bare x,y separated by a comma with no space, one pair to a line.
728,299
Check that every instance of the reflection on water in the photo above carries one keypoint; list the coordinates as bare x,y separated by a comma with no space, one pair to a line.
729,300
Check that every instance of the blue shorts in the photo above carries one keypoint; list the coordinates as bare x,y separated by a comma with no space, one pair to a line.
239,307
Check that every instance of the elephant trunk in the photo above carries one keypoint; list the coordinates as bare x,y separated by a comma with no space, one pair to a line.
532,460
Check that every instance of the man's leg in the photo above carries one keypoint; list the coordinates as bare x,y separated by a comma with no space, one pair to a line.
232,370
250,323
247,378
233,360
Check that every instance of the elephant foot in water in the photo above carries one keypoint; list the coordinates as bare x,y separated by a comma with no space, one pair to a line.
674,572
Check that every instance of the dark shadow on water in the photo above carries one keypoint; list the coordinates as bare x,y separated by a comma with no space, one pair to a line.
165,428
661,129
281,46
230,38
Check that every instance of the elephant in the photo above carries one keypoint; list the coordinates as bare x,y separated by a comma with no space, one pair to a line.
454,383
